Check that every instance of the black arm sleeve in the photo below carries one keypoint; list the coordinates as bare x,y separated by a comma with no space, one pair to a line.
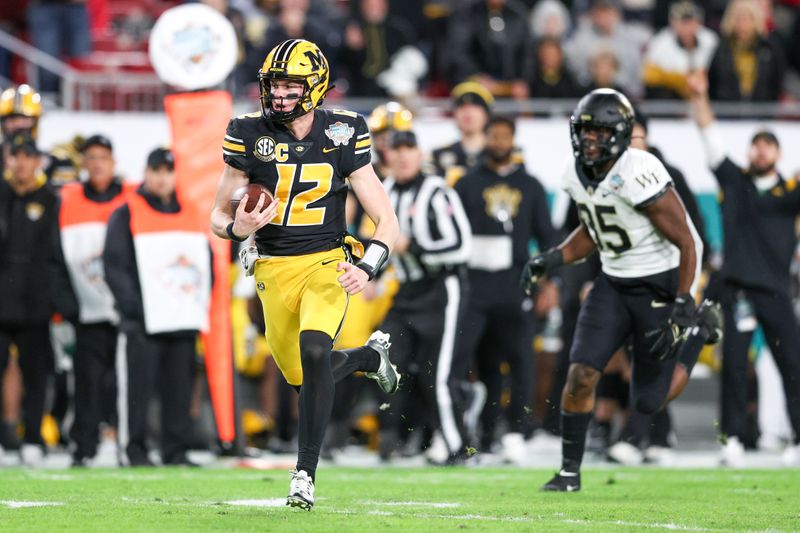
62,294
119,262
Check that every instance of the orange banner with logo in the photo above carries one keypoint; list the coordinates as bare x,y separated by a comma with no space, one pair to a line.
198,122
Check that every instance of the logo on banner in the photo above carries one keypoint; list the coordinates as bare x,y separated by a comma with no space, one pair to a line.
193,47
182,277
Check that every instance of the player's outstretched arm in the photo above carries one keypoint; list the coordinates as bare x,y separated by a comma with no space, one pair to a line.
373,198
223,223
702,113
577,246
669,217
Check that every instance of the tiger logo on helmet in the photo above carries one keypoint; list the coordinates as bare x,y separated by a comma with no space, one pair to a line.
296,60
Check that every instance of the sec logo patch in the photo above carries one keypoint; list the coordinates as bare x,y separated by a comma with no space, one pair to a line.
265,149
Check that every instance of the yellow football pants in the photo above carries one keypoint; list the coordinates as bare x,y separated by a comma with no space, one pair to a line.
299,293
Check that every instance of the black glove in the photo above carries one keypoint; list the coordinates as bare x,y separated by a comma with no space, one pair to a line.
666,340
538,266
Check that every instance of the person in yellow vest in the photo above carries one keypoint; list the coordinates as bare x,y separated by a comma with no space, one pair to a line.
81,294
26,210
157,262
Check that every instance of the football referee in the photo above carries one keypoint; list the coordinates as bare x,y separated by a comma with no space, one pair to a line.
424,321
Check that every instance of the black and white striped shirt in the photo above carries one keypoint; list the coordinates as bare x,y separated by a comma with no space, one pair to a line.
432,217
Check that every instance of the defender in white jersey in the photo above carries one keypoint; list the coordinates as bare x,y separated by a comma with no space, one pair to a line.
642,298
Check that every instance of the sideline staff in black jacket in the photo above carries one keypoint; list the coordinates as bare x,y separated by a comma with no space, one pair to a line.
759,209
507,208
26,217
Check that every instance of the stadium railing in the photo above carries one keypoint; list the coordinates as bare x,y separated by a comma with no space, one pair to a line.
106,85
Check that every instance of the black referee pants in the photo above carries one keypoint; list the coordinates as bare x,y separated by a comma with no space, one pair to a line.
424,350
36,364
775,314
146,364
95,384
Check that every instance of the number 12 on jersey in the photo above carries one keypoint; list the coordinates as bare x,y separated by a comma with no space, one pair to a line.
599,222
294,211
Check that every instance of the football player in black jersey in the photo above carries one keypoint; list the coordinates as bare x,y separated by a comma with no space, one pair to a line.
304,265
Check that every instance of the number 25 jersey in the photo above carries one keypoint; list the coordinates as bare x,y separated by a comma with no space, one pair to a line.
307,176
630,246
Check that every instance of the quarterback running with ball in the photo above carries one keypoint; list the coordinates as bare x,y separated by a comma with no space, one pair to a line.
305,265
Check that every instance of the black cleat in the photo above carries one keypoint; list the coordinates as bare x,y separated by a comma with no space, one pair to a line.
709,317
563,482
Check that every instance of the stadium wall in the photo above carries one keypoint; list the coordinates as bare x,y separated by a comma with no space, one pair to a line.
545,141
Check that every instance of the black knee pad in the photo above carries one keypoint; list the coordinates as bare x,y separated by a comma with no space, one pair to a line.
315,351
314,346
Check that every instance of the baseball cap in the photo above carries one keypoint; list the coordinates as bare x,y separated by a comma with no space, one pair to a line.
471,92
97,140
685,10
404,138
24,143
161,157
767,136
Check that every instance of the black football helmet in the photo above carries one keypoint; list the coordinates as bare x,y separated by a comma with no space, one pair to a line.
604,108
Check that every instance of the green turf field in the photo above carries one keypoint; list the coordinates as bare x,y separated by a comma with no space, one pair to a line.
399,500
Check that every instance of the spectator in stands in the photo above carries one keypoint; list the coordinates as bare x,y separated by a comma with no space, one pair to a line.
552,79
604,70
237,19
380,53
793,43
550,20
27,208
61,29
605,28
759,209
685,45
81,294
158,267
489,40
295,22
748,65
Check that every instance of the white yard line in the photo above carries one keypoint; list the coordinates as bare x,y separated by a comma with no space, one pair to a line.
13,504
271,502
674,527
433,505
